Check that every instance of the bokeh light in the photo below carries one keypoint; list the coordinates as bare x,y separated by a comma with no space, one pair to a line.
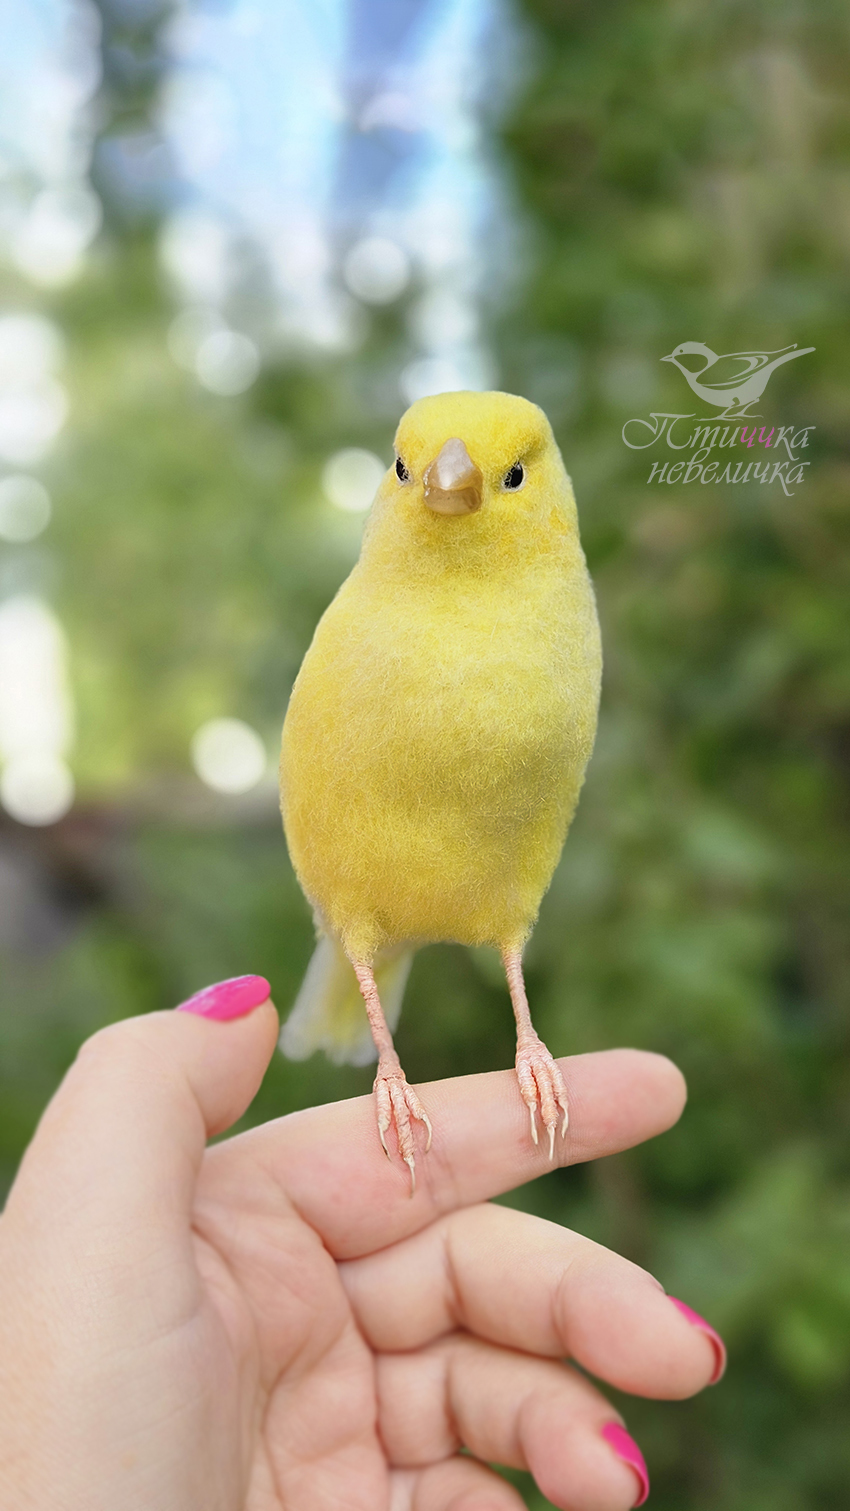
24,508
429,375
351,479
377,270
189,330
36,711
228,755
36,789
31,347
194,249
50,67
49,244
33,404
444,320
227,362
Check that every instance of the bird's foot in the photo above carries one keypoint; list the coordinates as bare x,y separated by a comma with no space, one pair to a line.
398,1103
541,1085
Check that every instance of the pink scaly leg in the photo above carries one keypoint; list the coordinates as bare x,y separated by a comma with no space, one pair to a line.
397,1102
539,1075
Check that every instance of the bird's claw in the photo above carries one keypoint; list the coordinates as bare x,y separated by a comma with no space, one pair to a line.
542,1085
398,1103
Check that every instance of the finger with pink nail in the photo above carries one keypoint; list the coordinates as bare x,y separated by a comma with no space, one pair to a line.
713,1337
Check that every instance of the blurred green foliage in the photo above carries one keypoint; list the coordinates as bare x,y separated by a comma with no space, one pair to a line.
682,172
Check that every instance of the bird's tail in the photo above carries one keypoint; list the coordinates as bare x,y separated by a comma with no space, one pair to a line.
329,1013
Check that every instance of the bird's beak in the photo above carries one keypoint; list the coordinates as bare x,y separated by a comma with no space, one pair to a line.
453,483
671,358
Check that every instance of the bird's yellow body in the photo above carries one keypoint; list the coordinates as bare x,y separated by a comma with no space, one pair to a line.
438,731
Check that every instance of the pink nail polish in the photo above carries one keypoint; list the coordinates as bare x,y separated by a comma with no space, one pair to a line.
713,1337
228,999
627,1449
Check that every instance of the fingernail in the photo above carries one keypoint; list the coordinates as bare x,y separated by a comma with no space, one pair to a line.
627,1449
228,999
713,1337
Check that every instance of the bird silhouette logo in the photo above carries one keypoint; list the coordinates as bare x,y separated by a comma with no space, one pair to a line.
735,381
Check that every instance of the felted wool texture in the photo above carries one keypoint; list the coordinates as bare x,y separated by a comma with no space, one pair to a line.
440,725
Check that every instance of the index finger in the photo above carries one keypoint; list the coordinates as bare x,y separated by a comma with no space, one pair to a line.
329,1161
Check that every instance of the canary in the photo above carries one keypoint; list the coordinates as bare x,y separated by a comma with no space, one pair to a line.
438,733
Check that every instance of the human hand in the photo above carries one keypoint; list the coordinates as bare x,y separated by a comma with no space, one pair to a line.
272,1324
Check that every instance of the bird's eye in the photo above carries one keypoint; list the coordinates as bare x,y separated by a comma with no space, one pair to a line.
401,471
514,478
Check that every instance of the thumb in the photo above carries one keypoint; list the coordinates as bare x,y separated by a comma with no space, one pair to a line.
122,1140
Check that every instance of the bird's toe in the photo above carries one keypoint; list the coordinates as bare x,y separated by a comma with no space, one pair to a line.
396,1104
542,1087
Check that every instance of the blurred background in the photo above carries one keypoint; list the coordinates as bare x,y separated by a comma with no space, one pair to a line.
236,240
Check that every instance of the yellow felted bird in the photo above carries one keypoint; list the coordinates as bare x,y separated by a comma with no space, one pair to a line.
437,735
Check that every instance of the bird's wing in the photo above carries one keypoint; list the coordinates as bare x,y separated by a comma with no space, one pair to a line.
732,370
761,358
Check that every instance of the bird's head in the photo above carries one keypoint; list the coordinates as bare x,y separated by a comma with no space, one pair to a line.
691,349
474,472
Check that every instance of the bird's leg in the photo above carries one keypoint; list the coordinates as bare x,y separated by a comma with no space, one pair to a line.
397,1102
539,1075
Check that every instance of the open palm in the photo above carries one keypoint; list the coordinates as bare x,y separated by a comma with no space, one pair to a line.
273,1324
